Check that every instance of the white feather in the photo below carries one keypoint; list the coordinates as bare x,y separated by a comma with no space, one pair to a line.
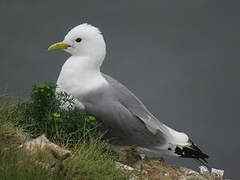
81,72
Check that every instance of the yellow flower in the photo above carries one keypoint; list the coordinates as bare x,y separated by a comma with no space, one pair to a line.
41,85
56,115
92,118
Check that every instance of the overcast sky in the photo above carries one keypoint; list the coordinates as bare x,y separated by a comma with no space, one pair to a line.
181,58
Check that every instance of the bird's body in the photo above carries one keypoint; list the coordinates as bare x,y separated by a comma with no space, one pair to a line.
121,113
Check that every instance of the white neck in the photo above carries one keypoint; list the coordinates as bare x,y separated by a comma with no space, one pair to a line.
80,75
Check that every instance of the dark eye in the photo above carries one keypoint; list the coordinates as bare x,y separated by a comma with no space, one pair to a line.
78,40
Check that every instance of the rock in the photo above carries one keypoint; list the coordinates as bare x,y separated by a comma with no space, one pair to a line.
218,172
123,167
41,143
203,169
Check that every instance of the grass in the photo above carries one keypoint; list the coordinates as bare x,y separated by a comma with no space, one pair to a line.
91,157
88,161
16,164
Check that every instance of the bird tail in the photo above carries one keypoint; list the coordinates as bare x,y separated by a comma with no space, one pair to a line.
192,151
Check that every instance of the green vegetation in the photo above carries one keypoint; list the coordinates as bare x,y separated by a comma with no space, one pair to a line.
91,157
43,114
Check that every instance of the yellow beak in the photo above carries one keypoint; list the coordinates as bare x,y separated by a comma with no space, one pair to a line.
59,45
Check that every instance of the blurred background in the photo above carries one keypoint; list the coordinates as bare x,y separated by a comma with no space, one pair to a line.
181,58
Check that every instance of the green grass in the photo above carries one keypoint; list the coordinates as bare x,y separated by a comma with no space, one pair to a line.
16,164
88,161
91,157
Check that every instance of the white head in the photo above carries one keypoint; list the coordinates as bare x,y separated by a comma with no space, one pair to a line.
84,40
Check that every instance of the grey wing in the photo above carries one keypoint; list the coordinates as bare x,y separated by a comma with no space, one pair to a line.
137,108
123,128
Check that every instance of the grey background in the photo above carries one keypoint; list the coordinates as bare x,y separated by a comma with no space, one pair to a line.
181,58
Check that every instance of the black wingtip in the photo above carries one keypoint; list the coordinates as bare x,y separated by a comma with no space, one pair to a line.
192,151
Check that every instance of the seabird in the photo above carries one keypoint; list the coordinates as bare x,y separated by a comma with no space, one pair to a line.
127,121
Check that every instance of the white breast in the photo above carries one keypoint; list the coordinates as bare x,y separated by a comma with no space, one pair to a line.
79,76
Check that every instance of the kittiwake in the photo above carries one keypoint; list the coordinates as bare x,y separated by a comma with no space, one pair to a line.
127,121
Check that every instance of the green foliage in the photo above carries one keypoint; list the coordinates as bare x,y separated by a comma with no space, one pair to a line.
44,114
91,159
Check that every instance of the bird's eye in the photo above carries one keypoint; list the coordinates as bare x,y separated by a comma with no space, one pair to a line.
78,40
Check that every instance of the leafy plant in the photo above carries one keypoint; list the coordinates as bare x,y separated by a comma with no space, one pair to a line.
44,113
